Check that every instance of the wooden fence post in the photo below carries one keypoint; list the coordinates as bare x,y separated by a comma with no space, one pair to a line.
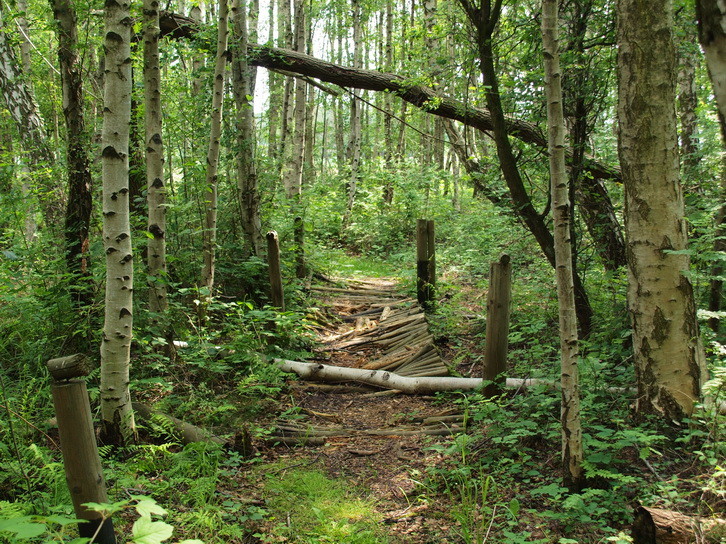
273,262
300,268
431,249
84,474
497,336
425,263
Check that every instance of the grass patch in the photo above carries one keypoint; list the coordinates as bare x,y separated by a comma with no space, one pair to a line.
308,507
361,266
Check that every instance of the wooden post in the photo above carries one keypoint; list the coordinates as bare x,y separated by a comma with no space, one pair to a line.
300,268
431,248
84,474
497,336
424,267
273,262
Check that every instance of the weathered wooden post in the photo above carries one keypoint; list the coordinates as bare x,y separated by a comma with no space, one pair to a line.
273,263
78,445
300,268
425,263
431,248
497,337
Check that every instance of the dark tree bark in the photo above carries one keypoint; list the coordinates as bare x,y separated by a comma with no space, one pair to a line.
583,90
78,210
484,19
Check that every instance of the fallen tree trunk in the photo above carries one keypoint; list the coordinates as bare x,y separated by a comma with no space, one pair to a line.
422,97
186,432
659,526
388,380
429,100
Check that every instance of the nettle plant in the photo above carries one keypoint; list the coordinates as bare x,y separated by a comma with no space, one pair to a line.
17,526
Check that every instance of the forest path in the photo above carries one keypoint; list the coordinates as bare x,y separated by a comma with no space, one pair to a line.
379,441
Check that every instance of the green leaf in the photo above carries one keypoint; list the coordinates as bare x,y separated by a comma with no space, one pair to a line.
191,542
514,507
22,527
107,507
147,506
62,520
146,531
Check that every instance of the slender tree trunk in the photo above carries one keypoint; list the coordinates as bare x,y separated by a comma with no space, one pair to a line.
285,36
688,103
210,197
388,107
20,102
293,163
712,35
247,180
669,361
485,20
156,191
78,210
117,418
573,476
356,108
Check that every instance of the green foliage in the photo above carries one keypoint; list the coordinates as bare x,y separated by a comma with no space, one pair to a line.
332,511
25,528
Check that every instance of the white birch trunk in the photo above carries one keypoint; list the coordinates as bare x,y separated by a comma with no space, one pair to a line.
561,214
117,420
215,134
669,360
156,191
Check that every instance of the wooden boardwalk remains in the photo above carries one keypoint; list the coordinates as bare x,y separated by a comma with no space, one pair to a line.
384,330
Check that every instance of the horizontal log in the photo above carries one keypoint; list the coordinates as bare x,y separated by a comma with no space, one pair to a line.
186,432
389,380
661,526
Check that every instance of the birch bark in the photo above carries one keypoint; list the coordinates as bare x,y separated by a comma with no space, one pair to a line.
573,477
117,420
215,134
156,191
669,361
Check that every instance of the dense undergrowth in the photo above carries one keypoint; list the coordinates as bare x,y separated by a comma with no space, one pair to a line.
498,483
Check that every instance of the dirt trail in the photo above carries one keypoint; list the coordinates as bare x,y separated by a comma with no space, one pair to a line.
373,438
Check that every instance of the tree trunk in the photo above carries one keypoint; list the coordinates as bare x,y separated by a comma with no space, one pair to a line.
388,107
78,210
356,109
669,360
117,419
293,162
156,191
247,180
688,103
712,35
485,21
215,134
20,102
573,476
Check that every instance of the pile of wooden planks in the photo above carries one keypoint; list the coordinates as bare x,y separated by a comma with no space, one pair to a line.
390,330
289,432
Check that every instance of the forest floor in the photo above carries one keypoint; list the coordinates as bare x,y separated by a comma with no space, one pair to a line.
385,453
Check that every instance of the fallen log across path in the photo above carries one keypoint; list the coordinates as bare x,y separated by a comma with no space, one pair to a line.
421,385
